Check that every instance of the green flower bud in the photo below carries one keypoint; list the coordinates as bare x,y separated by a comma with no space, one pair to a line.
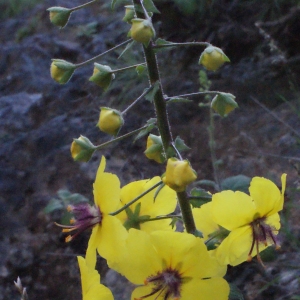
61,71
154,148
59,16
110,121
223,104
102,76
129,13
179,174
212,58
142,30
82,149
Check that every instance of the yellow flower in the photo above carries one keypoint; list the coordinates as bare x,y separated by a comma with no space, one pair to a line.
154,149
82,149
172,265
61,71
142,30
108,234
59,16
102,76
110,120
90,281
179,174
148,206
253,220
212,58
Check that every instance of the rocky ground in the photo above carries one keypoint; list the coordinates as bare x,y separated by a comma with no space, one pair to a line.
39,119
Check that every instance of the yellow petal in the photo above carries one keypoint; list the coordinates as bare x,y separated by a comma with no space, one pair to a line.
106,190
232,209
209,289
273,221
266,196
157,225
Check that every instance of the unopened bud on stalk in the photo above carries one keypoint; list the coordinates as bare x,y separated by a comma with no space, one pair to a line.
212,58
102,76
179,174
82,149
110,121
142,30
154,148
59,16
61,71
129,13
223,104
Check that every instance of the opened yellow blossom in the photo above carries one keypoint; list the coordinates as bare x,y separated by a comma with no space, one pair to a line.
172,265
148,207
92,289
253,220
108,234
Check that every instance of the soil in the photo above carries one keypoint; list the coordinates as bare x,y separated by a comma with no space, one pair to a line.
39,119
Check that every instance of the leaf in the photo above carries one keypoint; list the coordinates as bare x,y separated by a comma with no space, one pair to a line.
236,183
178,100
151,94
128,46
151,124
206,182
180,145
53,205
161,42
140,69
150,7
157,191
201,197
235,293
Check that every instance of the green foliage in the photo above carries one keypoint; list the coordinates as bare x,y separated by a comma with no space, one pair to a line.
61,203
12,8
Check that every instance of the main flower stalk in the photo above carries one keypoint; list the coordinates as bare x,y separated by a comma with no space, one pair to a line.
163,123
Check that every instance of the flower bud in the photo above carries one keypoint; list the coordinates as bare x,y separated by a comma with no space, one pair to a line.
223,104
61,71
179,174
154,148
102,76
142,30
110,121
212,58
129,13
82,149
59,16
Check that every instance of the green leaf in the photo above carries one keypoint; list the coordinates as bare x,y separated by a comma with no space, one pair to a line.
180,145
158,190
151,124
235,293
149,6
199,197
207,183
140,69
128,46
178,100
236,183
53,205
161,42
151,94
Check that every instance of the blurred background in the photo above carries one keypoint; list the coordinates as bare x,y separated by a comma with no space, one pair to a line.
39,119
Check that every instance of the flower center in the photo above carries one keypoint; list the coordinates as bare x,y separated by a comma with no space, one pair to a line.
261,233
85,216
165,284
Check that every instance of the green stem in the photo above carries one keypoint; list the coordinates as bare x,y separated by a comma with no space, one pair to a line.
120,137
102,54
182,44
136,199
137,100
128,68
83,5
186,212
163,123
193,94
211,131
160,218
